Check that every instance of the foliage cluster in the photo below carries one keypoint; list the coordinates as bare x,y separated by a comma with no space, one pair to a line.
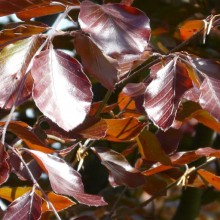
65,146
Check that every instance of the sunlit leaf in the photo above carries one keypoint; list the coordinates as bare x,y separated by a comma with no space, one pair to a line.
121,171
64,93
23,131
64,179
14,61
210,178
96,63
150,148
25,207
16,31
210,96
59,202
164,93
189,28
107,109
123,129
117,29
4,166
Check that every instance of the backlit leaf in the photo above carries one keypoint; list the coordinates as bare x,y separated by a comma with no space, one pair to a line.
189,28
210,178
123,129
25,207
61,89
121,171
150,148
64,179
117,29
60,202
14,61
23,131
16,31
165,91
95,62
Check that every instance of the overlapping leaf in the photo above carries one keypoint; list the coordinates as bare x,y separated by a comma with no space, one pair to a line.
95,62
165,91
14,61
122,173
60,202
61,89
125,129
117,29
23,131
4,166
150,148
27,206
16,31
64,179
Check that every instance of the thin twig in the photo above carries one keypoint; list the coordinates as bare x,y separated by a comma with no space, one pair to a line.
36,183
162,191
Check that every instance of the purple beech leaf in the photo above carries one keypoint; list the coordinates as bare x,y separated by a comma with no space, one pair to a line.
61,89
165,91
94,62
4,166
134,89
25,207
121,172
210,96
116,28
64,179
14,61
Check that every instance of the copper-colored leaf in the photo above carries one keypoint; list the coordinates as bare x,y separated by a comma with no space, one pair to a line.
64,179
14,61
123,129
60,202
25,207
120,170
169,83
4,166
210,178
19,30
64,93
23,131
150,148
117,29
189,28
95,62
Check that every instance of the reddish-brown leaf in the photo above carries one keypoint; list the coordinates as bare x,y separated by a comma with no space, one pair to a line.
64,93
150,148
25,207
165,91
127,2
23,131
123,129
4,166
64,179
117,29
14,61
169,139
96,105
210,178
19,30
94,62
121,172
92,128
